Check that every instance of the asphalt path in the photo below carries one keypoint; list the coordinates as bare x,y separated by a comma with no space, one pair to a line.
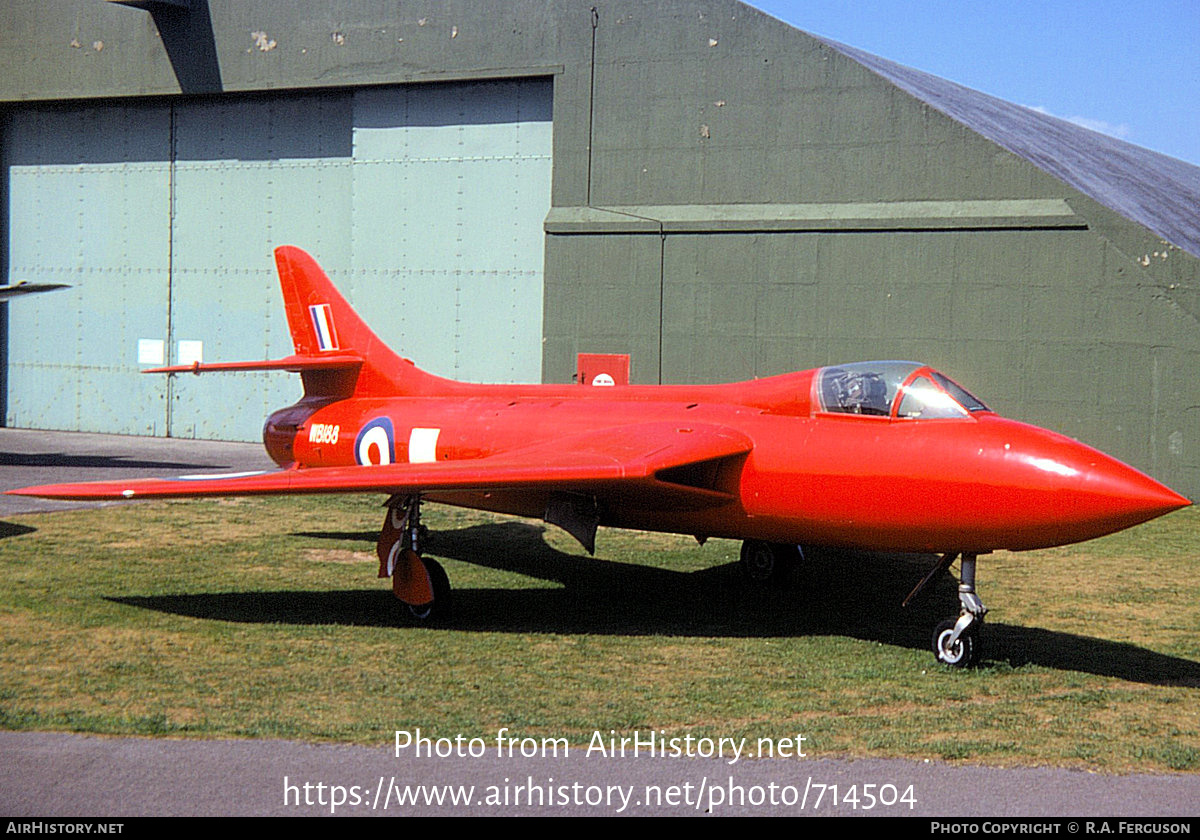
67,775
62,775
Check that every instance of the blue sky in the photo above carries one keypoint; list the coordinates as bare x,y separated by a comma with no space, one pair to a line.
1129,68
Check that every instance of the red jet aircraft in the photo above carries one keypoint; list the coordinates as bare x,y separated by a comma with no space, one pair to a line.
880,456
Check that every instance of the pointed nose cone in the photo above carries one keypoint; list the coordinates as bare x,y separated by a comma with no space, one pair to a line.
1079,492
1130,496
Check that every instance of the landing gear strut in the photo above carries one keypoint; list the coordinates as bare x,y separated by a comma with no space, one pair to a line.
419,582
769,564
956,643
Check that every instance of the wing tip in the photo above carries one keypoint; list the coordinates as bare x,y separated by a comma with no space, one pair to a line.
60,492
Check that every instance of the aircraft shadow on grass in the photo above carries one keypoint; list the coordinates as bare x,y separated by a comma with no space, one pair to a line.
834,594
12,529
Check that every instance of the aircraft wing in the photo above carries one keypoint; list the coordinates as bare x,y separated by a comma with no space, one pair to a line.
648,458
24,287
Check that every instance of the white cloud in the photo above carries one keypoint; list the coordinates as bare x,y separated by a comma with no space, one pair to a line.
1121,131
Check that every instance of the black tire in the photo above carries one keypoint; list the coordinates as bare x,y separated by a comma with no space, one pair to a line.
964,653
439,608
768,564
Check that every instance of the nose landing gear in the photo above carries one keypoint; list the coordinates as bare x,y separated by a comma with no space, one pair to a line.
956,642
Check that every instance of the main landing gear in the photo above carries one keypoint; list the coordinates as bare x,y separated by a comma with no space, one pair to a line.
956,642
419,582
769,564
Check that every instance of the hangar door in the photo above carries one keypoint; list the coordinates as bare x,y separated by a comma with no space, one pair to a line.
423,203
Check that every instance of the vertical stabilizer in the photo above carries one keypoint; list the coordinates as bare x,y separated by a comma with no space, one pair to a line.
322,323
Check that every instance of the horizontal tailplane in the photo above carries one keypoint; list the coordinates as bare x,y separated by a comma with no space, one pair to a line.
337,354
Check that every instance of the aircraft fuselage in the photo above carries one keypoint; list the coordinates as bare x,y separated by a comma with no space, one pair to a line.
973,483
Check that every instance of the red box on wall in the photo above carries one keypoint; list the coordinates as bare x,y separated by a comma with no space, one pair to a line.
602,369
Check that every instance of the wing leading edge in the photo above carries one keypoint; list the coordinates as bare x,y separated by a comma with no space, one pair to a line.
651,457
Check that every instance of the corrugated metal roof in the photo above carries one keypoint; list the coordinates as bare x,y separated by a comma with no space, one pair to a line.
1157,191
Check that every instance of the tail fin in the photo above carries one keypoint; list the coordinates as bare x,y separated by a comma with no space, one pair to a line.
336,355
323,324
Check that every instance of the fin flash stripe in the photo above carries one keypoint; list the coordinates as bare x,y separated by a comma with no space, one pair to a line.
322,318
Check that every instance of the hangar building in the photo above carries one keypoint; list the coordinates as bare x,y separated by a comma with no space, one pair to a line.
498,187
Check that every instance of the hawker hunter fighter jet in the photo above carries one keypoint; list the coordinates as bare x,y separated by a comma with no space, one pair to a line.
887,456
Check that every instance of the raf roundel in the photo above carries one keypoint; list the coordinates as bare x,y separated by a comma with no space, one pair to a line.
376,443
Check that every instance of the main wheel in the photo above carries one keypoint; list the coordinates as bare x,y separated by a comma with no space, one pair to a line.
768,564
964,653
439,608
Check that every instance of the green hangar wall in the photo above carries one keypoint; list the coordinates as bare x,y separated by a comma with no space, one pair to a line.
501,186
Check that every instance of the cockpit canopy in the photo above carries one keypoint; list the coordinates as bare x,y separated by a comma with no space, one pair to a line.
900,390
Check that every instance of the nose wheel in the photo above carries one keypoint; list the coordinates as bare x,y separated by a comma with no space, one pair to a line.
958,650
956,642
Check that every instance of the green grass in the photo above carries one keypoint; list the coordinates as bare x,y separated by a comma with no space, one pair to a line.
264,618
